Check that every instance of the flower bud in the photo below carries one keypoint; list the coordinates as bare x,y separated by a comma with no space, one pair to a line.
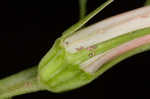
79,58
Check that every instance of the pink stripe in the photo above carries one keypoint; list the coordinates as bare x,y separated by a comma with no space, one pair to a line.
118,51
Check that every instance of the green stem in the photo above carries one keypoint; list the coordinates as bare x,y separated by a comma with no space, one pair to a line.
147,2
20,83
82,7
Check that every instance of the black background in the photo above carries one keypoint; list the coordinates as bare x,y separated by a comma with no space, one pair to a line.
29,28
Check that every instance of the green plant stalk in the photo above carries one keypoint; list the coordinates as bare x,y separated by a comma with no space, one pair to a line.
20,83
147,2
82,7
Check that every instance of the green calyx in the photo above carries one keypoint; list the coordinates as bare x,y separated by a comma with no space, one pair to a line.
60,74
